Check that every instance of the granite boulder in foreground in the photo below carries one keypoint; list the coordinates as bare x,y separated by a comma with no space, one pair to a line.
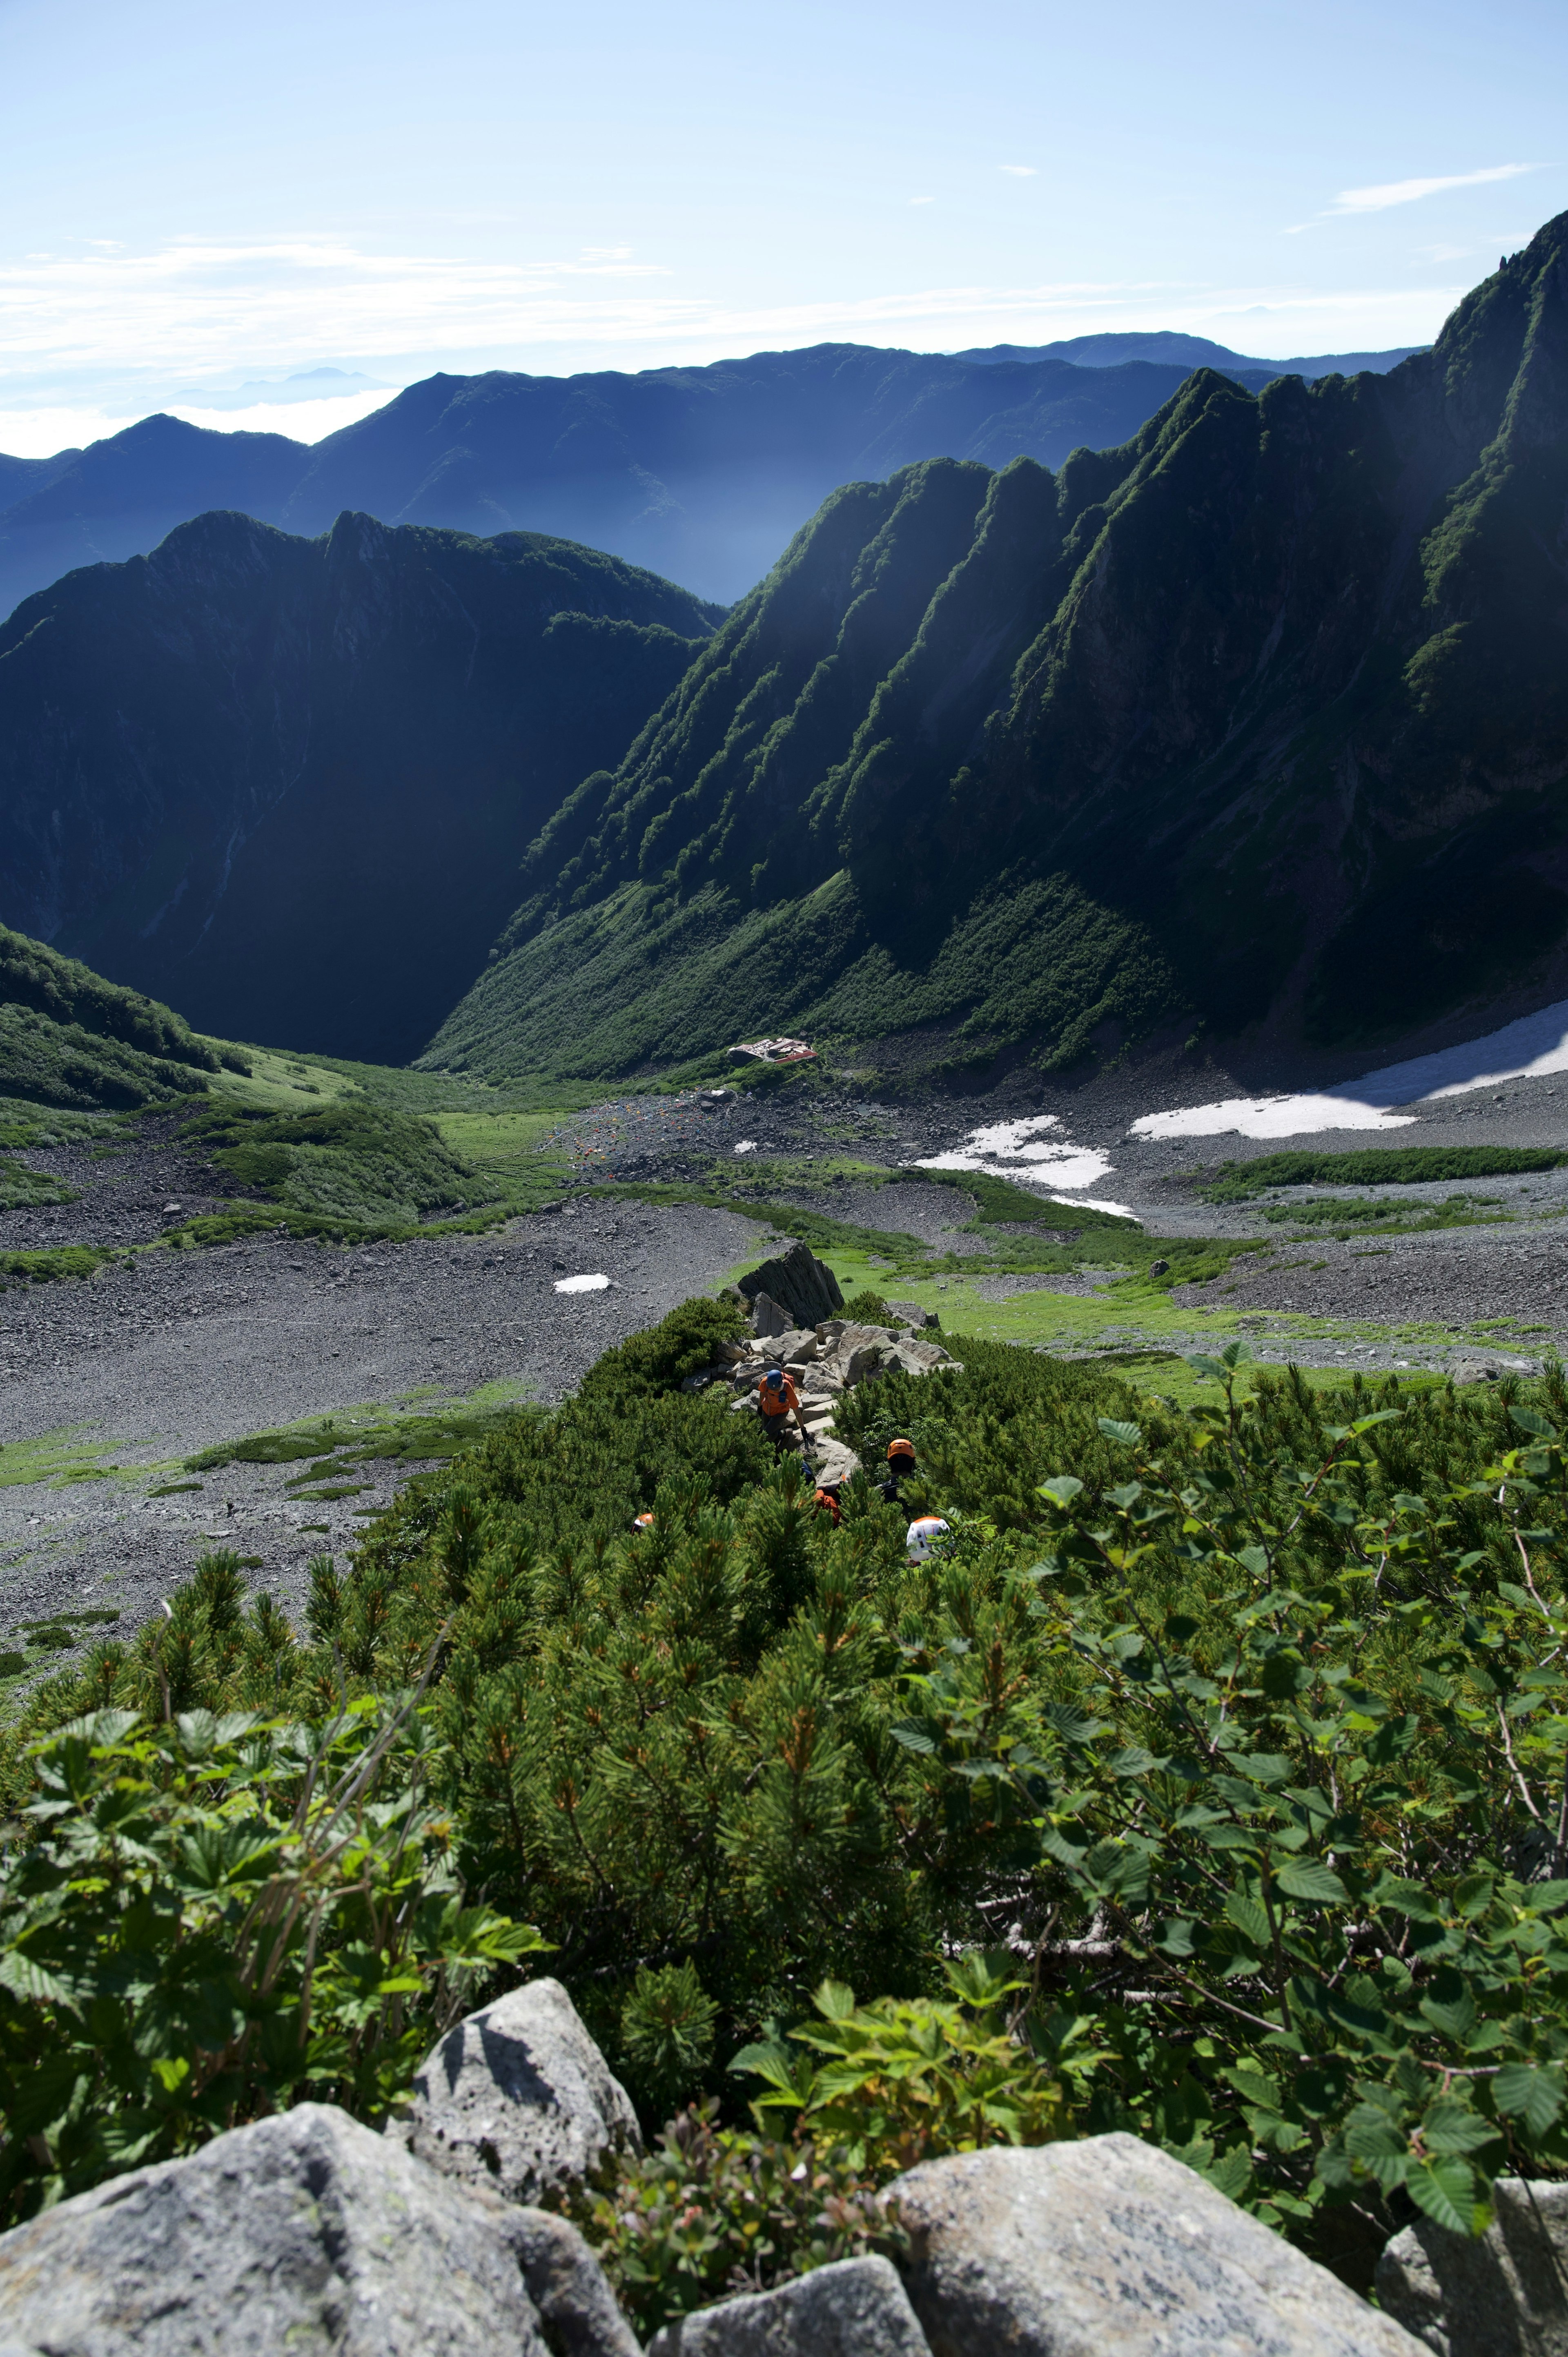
300,2235
517,2098
856,2307
1110,2248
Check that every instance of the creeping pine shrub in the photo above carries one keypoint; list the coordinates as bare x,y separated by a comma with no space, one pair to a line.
209,1920
1242,1725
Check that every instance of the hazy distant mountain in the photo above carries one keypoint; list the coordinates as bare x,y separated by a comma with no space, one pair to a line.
1259,722
305,384
701,474
288,783
1172,350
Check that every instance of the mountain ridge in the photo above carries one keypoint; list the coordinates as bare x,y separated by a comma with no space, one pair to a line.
700,474
284,784
1258,722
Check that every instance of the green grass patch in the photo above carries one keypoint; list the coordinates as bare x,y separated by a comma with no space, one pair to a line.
999,1202
21,1187
52,1456
48,1267
426,1429
1377,1166
1396,1215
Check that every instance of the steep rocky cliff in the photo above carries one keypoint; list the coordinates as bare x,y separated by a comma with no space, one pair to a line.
1259,721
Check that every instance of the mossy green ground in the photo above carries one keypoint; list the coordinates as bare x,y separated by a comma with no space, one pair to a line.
66,1454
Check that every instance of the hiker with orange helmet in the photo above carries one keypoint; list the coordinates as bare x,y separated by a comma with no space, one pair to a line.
778,1400
826,1502
900,1465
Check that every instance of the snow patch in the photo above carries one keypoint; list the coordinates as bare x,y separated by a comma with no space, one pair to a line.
1269,1118
580,1283
1521,1050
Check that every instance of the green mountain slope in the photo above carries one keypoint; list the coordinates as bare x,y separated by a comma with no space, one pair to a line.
1262,719
287,784
70,1039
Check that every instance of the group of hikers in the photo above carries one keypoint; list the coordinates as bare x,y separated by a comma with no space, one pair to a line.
778,1401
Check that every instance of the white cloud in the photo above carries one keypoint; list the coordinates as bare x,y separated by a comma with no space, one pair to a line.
1406,192
93,341
39,433
1020,171
922,200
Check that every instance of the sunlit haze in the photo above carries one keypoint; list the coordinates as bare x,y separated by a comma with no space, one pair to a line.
195,199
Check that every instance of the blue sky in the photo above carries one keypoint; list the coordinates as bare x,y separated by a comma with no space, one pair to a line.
196,196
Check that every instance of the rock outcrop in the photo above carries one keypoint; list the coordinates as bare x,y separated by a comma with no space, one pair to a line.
1079,2250
517,2098
855,2308
804,1287
300,2234
1502,2294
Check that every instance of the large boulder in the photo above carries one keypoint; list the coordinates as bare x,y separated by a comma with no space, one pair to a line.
1500,2294
568,2287
856,2307
1077,2250
517,2098
304,2233
800,1285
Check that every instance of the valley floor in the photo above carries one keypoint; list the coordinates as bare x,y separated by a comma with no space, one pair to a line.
108,1384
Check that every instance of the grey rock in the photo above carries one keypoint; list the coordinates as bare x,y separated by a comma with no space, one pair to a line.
767,1318
856,2307
304,2233
782,1348
1503,2294
917,1356
913,1314
517,2098
1079,2250
831,1462
568,2287
799,1282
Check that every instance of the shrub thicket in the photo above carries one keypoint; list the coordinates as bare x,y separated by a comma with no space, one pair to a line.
1240,1728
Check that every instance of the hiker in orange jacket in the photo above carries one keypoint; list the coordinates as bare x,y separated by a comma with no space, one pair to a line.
778,1400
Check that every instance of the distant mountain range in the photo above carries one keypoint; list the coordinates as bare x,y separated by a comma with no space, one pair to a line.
1173,351
701,474
287,784
1258,724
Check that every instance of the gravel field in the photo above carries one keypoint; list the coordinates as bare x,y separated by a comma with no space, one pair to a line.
153,1362
1456,1278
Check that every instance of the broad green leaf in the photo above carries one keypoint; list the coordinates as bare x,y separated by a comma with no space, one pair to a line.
1528,1421
834,2000
1445,2190
1130,1435
913,1736
1309,1879
1451,2127
1243,1909
1521,2091
1061,1489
